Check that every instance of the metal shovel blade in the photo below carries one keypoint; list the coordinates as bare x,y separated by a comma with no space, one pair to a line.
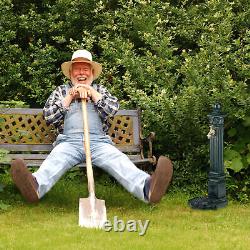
92,212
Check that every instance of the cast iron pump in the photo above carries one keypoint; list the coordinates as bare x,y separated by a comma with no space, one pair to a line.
216,178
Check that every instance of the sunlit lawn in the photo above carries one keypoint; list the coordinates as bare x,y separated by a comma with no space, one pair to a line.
53,223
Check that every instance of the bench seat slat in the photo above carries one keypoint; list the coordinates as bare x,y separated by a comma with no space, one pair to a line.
35,160
49,147
44,156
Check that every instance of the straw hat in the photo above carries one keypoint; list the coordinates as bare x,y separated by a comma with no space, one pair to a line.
82,56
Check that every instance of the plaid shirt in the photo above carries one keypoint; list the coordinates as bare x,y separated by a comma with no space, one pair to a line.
54,111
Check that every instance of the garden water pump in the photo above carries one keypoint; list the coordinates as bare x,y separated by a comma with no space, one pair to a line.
216,178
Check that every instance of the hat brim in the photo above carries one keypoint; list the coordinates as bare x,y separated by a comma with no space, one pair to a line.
97,68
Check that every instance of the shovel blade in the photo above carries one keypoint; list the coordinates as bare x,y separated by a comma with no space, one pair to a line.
92,213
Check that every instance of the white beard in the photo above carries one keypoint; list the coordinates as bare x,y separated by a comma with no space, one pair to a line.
88,81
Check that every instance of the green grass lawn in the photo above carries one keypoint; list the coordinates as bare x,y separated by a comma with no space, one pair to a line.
53,222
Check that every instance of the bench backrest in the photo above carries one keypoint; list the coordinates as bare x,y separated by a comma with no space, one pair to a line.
24,129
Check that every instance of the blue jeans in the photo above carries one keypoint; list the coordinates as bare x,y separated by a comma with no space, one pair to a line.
69,151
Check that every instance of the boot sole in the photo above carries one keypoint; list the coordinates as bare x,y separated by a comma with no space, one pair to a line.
161,179
24,181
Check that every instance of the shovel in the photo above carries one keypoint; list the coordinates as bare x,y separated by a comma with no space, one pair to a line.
92,211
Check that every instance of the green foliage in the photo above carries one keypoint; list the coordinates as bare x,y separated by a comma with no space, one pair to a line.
237,152
13,104
4,155
3,206
237,159
173,59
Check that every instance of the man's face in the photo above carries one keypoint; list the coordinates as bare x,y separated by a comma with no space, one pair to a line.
81,73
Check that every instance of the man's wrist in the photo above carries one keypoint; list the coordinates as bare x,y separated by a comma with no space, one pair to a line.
96,97
67,100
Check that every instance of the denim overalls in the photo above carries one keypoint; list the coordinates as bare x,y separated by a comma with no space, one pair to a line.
68,151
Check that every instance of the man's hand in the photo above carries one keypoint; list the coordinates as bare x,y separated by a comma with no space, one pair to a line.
80,91
83,91
87,91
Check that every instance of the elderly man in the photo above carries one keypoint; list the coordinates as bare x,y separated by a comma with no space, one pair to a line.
63,109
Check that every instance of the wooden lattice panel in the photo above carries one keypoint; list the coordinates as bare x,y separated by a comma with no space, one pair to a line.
121,130
25,128
32,129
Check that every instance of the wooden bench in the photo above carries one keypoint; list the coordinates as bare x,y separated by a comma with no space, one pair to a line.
24,133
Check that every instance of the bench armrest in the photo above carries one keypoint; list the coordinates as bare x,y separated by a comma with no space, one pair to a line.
149,140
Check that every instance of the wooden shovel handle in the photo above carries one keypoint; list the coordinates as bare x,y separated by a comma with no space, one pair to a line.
91,184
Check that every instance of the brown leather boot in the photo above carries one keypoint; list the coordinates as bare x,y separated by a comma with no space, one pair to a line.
160,179
24,180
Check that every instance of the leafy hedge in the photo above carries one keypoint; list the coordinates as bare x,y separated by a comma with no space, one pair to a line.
173,59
